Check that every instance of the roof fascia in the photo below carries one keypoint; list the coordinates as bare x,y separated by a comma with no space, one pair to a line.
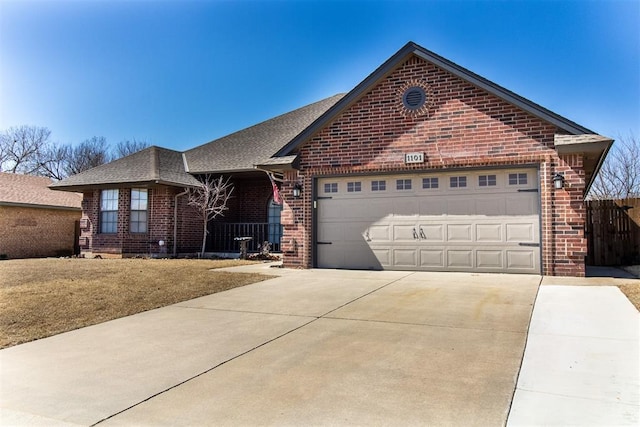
598,167
123,184
396,60
38,206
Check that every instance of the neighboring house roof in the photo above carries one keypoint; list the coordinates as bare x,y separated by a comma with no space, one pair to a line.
397,60
34,191
243,150
153,165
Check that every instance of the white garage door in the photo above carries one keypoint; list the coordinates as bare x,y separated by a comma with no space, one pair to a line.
483,221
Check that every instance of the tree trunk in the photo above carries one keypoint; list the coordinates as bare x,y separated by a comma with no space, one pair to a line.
204,238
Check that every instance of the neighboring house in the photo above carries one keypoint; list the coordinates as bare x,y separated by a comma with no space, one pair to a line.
422,166
34,220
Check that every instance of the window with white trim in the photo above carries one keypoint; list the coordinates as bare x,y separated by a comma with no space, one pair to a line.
457,181
331,187
403,184
139,205
378,185
517,179
354,187
487,181
430,182
109,211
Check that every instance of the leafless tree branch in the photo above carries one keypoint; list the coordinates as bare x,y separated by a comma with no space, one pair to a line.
210,199
619,176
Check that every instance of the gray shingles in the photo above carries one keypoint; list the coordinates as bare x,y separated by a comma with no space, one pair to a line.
151,165
257,144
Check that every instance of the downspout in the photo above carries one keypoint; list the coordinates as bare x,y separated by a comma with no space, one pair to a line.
175,222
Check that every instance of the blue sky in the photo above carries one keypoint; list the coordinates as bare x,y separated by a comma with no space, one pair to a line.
180,73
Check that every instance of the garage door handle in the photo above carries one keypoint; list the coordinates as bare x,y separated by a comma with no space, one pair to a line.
422,235
415,234
533,245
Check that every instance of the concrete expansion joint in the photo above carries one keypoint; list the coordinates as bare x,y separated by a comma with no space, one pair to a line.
248,312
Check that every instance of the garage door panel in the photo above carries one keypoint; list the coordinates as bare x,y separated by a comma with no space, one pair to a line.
490,206
460,258
522,204
403,233
489,259
407,258
520,232
432,205
489,233
432,258
405,207
379,233
521,259
459,233
431,232
460,205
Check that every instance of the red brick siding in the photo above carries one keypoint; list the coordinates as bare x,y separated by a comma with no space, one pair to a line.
160,214
249,201
465,127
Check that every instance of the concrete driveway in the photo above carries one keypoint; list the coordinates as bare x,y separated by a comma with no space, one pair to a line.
308,347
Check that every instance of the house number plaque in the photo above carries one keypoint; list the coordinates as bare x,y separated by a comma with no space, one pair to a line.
413,158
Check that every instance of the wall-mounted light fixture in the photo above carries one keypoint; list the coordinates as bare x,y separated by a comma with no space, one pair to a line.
297,190
558,181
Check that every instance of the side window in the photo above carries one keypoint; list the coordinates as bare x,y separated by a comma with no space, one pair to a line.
109,211
403,184
378,185
487,181
430,183
331,187
517,179
138,220
354,187
457,181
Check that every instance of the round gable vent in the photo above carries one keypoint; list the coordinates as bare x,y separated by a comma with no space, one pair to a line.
414,98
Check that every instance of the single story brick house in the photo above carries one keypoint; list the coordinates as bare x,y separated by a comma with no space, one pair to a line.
424,165
34,220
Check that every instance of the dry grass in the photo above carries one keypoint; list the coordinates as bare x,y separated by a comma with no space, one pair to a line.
44,297
632,291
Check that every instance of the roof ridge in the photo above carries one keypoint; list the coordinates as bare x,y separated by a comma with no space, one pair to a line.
153,164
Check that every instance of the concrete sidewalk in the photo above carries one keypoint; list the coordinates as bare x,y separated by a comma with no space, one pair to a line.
582,360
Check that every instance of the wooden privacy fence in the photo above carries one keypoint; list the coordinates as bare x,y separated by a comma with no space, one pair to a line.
613,232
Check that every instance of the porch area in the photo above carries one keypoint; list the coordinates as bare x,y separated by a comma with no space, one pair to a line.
221,237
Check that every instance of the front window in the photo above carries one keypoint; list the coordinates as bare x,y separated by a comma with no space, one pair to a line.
109,211
138,220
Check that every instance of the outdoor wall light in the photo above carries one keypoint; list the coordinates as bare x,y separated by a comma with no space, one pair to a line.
297,190
558,181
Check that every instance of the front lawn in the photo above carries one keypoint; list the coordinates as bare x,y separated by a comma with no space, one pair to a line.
44,297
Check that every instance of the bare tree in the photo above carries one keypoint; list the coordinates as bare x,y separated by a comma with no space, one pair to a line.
55,161
23,148
210,198
127,147
88,154
619,176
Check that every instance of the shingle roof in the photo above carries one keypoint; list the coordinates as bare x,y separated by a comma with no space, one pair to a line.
242,150
16,189
148,166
